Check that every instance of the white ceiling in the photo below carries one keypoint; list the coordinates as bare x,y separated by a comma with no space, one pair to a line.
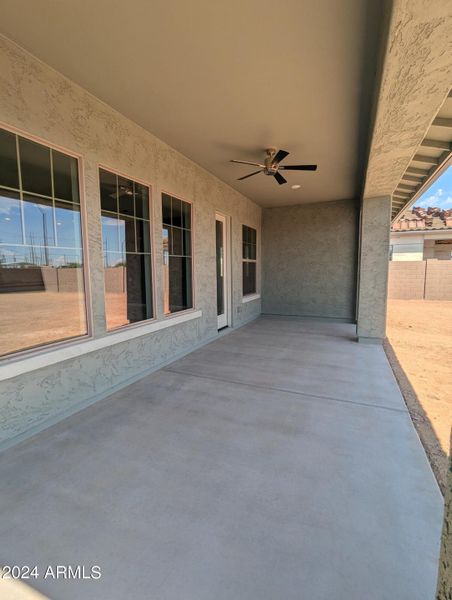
221,80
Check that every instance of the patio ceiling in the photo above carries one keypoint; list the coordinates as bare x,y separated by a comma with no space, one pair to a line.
219,81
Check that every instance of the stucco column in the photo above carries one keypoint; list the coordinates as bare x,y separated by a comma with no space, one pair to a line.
373,268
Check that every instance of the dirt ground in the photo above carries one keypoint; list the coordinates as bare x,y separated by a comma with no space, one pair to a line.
420,334
36,318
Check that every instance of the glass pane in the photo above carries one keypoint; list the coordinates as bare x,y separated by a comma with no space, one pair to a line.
166,242
176,212
110,233
65,177
138,287
245,250
166,209
114,259
115,289
186,215
186,242
127,234
9,175
180,292
249,278
68,225
176,235
220,267
42,296
252,251
245,234
125,193
35,167
108,191
143,241
10,218
252,235
141,201
128,289
38,221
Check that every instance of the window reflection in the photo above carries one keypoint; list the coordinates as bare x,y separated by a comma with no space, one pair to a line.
127,250
177,252
249,246
42,297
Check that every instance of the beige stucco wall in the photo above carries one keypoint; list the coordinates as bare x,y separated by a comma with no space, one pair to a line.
309,260
444,588
373,267
40,102
415,79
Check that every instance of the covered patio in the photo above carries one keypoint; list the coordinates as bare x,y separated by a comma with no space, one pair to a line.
278,461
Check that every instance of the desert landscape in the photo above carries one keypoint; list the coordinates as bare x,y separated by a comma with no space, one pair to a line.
420,334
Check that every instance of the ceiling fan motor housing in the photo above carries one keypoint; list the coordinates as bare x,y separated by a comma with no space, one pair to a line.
270,168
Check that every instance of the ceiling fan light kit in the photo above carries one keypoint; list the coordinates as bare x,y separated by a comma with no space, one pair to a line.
271,166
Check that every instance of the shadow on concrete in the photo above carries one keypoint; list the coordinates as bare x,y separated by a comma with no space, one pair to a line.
436,455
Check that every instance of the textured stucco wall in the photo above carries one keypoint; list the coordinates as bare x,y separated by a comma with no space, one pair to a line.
444,589
373,267
416,76
309,260
41,102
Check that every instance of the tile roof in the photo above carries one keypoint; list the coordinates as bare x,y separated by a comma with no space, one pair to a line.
424,219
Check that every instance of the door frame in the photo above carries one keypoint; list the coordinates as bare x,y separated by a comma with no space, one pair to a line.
226,220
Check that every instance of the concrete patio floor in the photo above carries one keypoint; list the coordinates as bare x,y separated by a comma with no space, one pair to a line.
277,462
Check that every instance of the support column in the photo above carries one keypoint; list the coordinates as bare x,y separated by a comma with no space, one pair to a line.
444,590
375,225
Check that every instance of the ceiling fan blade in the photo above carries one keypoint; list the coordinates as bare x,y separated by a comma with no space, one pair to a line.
250,175
279,178
279,156
299,167
245,162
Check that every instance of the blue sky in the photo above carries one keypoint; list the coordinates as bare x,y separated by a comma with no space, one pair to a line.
439,194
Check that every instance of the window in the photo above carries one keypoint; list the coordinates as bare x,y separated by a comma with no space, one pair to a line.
127,249
177,254
249,260
42,296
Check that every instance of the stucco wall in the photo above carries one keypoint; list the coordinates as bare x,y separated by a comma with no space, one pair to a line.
309,260
373,268
40,102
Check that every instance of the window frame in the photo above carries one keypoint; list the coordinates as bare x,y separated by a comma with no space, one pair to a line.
256,293
43,348
149,185
193,247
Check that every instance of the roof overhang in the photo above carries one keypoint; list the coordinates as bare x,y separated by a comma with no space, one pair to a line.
416,79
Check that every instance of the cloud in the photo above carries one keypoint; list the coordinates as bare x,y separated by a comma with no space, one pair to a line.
439,199
7,206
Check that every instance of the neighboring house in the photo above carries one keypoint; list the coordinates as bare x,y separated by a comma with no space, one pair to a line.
422,234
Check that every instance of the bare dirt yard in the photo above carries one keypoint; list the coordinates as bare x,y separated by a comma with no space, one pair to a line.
420,334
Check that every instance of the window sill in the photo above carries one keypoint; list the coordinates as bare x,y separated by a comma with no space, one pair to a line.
19,366
250,297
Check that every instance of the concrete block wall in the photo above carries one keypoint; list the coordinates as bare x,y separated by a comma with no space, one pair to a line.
438,284
417,280
406,280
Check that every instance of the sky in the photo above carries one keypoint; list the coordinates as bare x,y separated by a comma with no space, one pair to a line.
439,194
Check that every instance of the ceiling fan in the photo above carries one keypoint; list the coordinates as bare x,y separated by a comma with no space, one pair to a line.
272,167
